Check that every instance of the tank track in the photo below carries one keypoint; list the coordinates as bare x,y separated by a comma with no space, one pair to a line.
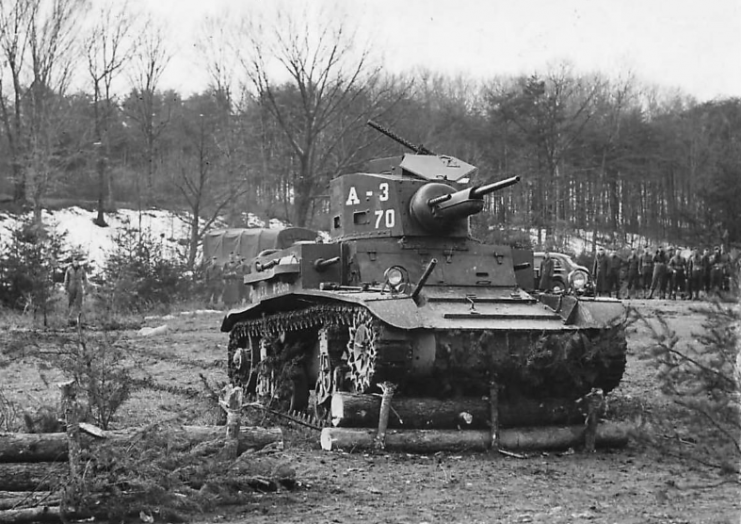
363,351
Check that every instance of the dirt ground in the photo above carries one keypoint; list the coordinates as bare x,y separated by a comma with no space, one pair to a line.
639,484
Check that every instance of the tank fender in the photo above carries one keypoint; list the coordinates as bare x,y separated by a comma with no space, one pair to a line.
585,313
599,313
400,312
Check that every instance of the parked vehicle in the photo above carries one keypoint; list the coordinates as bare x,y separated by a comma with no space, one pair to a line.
402,294
568,276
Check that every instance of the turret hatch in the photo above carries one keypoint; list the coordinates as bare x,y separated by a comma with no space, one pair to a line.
437,167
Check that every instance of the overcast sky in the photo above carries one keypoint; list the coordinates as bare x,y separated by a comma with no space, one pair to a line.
693,45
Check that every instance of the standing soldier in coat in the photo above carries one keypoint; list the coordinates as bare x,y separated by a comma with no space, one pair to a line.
214,282
696,274
659,276
75,282
707,264
634,272
231,281
677,273
242,269
600,270
666,282
647,270
546,273
716,271
725,260
613,275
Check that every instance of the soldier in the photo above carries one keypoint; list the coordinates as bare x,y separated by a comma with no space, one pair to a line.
706,263
231,284
647,269
242,269
613,274
659,274
214,284
716,271
725,260
695,272
546,273
666,282
634,265
677,274
600,270
75,282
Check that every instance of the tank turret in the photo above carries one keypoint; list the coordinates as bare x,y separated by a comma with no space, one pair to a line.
434,205
419,194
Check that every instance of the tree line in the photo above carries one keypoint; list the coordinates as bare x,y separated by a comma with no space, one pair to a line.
285,112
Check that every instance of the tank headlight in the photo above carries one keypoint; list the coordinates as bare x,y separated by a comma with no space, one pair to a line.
396,278
578,280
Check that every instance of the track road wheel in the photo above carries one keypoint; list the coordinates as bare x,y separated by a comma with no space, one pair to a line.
244,363
361,355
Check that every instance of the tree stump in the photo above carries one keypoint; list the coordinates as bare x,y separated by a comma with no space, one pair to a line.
387,390
494,414
231,402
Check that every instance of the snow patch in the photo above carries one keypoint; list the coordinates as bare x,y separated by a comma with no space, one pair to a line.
171,229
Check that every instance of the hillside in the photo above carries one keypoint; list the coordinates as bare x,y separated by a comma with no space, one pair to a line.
83,236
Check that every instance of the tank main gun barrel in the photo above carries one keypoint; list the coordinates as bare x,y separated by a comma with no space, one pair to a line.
480,191
420,149
474,193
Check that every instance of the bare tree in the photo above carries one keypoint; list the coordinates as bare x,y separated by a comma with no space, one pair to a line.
38,41
109,47
206,186
149,62
332,88
216,54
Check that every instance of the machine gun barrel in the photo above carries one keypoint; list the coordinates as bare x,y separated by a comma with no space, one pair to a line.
420,149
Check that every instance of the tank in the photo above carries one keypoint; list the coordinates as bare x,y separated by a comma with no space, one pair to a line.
401,293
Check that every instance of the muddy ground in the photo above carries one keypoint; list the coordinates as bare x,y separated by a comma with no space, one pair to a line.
647,482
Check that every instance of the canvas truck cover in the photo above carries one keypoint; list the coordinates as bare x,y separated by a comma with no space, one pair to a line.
247,243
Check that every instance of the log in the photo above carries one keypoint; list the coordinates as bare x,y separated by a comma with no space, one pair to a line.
351,410
43,514
40,476
40,514
47,447
432,440
27,499
33,447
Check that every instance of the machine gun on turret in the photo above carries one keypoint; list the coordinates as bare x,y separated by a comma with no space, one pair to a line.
420,149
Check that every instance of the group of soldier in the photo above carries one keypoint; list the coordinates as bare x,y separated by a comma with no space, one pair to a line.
223,281
663,273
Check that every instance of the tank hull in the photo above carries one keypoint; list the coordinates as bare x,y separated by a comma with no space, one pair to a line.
285,347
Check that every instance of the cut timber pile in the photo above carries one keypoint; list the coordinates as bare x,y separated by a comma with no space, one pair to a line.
41,475
428,425
350,410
